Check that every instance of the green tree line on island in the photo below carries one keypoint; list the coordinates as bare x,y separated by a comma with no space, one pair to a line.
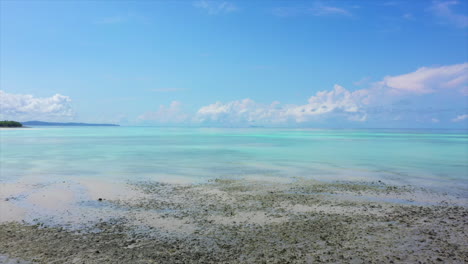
10,124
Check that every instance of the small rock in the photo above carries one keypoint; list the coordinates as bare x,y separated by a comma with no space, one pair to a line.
100,199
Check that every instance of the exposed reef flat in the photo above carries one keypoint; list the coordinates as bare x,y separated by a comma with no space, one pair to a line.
238,221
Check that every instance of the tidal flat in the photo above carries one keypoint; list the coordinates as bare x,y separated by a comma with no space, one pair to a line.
248,221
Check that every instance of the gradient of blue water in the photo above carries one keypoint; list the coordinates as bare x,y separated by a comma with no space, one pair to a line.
418,157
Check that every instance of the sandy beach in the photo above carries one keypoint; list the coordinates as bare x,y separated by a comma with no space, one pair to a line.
239,221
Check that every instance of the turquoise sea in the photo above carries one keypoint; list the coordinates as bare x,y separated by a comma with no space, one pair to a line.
428,158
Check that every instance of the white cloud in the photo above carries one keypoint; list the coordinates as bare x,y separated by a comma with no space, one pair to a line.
428,80
26,107
171,114
317,10
435,120
443,9
460,118
338,102
216,7
322,10
241,111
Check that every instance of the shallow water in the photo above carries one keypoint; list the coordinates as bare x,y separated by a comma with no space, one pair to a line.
419,157
55,175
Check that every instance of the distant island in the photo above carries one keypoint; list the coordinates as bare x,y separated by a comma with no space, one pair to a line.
7,123
42,123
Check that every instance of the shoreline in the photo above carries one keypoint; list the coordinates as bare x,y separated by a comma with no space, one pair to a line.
238,221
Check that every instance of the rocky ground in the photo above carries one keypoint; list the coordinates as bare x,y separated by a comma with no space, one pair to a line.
235,221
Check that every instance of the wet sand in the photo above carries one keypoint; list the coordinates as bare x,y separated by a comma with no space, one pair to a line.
236,221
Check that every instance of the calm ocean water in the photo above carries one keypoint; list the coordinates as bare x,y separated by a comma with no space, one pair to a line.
436,159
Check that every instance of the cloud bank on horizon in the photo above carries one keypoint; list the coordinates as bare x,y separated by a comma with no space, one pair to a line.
377,101
380,100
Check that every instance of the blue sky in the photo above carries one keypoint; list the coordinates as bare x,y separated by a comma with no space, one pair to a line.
236,63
